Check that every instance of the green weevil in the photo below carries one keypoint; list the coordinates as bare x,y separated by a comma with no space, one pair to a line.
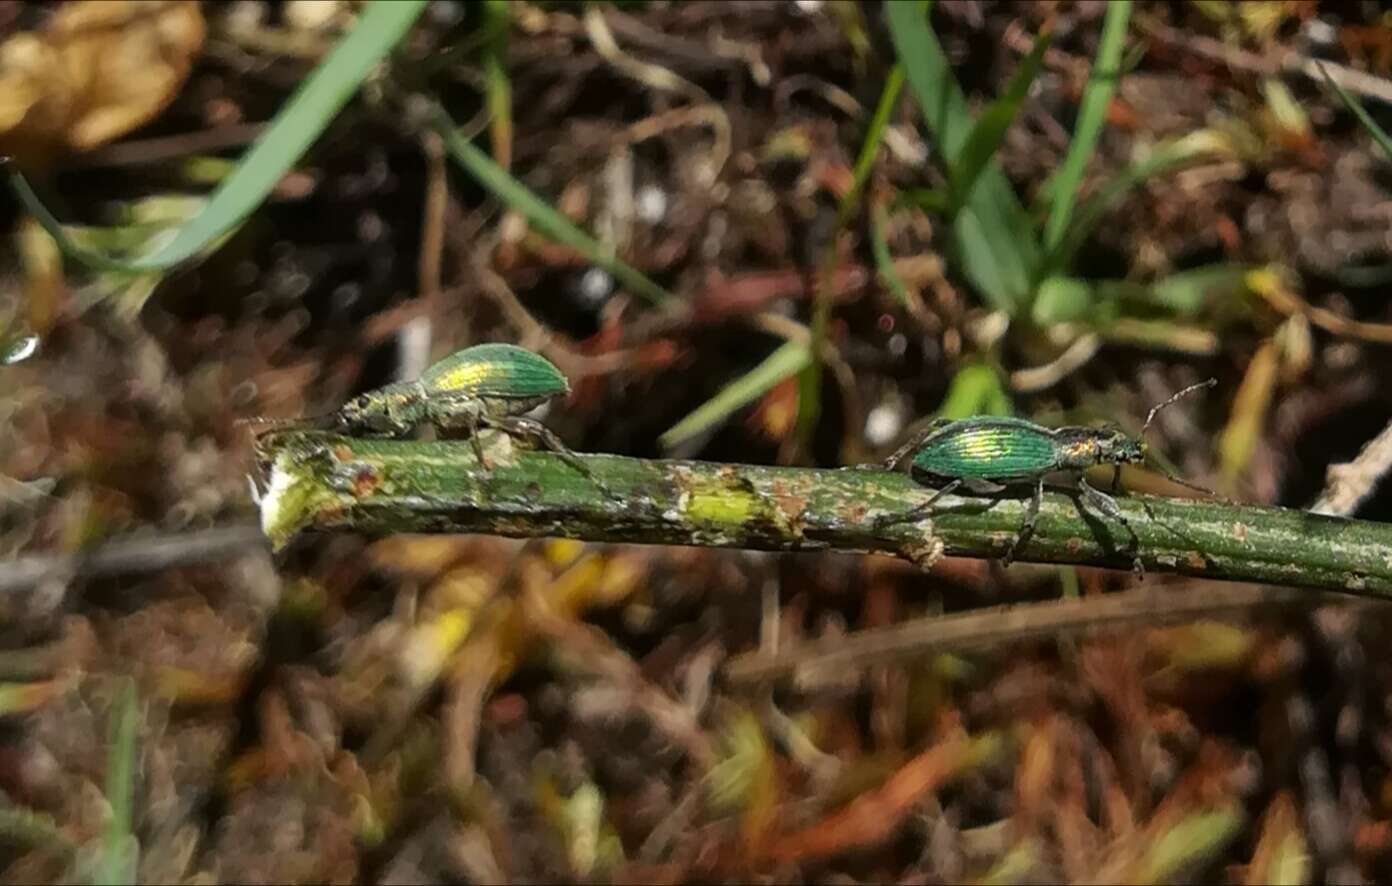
484,386
987,455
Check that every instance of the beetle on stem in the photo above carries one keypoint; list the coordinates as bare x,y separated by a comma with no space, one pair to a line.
988,455
485,386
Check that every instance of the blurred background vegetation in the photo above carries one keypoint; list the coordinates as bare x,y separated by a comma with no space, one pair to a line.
768,232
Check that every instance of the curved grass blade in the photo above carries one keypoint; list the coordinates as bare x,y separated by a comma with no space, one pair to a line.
792,357
298,124
546,219
1092,114
870,148
1163,159
884,262
810,385
986,136
120,848
1361,113
497,86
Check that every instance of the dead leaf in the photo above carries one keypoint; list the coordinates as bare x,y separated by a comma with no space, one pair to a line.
1240,437
98,71
874,816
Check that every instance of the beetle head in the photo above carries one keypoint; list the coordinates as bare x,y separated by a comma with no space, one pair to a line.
378,412
360,411
1115,446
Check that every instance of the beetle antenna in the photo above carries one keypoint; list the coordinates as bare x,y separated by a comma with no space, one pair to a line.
1194,486
1173,397
267,422
1151,417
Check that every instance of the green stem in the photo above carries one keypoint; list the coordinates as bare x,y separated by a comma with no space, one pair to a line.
318,481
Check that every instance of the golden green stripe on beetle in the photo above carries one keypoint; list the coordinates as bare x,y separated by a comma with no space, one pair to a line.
468,376
987,445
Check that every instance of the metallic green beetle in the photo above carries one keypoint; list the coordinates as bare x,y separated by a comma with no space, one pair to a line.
485,386
988,455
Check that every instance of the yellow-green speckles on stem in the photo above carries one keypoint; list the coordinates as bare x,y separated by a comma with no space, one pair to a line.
721,505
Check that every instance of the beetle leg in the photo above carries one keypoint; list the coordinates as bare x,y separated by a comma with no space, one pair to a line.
1027,527
914,513
474,441
529,427
983,487
470,420
460,412
1108,506
914,442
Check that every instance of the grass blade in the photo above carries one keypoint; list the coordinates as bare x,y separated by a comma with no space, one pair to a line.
119,849
810,385
1092,114
1062,299
537,211
1163,159
1361,113
988,133
976,389
298,124
925,199
884,262
870,148
992,233
497,86
790,358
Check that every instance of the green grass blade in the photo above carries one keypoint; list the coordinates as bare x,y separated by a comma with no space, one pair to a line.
1220,287
986,136
810,387
298,124
1092,114
884,262
989,262
975,390
1361,113
497,86
792,357
119,847
992,234
1216,292
1061,299
537,211
1163,159
925,199
870,148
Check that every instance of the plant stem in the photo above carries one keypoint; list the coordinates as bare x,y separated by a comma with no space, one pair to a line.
318,481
